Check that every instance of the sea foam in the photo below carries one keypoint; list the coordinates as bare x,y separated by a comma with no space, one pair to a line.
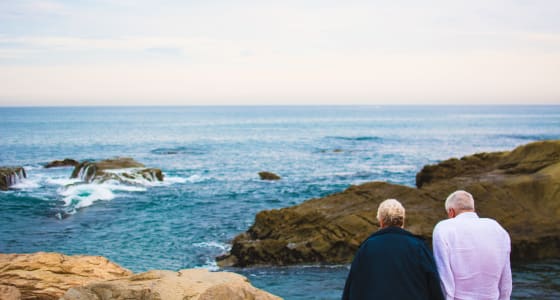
83,195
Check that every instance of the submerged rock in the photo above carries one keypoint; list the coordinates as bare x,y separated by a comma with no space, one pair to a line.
49,275
268,176
185,284
10,176
520,189
67,162
122,169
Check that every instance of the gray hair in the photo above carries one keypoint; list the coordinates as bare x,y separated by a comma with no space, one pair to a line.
391,212
459,200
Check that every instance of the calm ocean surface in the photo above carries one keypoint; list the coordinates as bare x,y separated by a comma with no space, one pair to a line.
211,157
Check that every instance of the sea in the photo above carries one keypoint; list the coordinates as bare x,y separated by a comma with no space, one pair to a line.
211,156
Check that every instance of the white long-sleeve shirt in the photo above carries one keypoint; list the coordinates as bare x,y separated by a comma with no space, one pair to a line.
472,258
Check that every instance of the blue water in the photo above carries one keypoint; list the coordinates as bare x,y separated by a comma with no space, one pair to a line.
211,157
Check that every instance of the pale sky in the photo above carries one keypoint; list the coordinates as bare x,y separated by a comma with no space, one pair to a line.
137,52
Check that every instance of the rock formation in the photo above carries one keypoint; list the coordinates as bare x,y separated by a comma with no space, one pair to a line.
49,275
520,189
122,169
67,162
8,292
195,284
268,176
10,176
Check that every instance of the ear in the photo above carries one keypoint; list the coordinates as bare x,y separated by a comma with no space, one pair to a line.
381,225
451,213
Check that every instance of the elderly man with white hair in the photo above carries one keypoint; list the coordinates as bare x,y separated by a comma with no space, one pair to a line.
393,263
471,253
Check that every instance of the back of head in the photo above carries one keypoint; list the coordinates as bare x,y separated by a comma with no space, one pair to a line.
460,201
391,213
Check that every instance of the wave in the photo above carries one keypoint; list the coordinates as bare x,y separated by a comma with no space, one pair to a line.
356,138
191,150
83,195
196,178
213,245
211,263
531,137
77,193
62,181
26,184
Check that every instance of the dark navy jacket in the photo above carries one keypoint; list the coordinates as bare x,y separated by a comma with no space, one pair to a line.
393,264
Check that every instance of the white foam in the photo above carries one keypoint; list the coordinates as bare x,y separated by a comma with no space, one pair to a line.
31,168
83,195
26,184
211,265
63,181
222,246
173,180
116,186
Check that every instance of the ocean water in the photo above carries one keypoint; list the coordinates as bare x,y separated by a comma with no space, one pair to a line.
211,156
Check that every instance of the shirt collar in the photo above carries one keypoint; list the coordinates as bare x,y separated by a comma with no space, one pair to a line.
467,215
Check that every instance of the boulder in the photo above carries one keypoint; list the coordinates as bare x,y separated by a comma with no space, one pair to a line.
67,162
268,176
8,292
122,169
520,189
195,284
49,275
10,176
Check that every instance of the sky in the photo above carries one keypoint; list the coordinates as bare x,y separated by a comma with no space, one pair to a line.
137,52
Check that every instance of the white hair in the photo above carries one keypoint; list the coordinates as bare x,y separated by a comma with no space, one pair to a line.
459,200
391,212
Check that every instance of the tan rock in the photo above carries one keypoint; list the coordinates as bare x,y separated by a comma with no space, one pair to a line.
8,292
49,275
520,189
192,284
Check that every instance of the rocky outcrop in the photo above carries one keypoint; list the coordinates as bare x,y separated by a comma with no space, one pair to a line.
122,169
10,176
520,189
49,275
195,284
8,292
67,162
268,176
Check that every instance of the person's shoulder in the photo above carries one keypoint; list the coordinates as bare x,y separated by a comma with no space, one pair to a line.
495,224
443,225
490,222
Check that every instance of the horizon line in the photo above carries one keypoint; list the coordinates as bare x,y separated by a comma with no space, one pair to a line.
283,105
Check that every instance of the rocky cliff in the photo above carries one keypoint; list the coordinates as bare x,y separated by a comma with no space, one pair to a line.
10,176
520,189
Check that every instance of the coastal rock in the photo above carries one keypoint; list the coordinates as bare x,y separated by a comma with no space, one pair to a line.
268,176
67,162
8,292
195,284
122,169
10,176
49,275
520,189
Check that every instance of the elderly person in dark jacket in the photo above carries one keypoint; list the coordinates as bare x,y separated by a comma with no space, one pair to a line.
393,263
